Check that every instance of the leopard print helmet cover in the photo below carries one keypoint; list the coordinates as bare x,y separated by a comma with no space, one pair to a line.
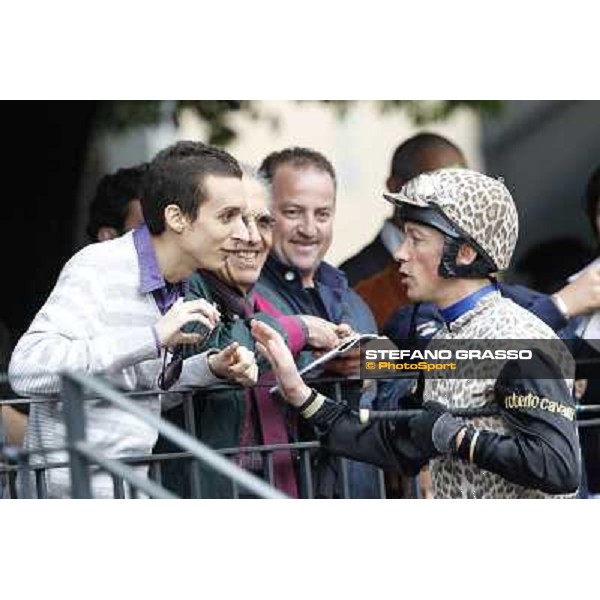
478,207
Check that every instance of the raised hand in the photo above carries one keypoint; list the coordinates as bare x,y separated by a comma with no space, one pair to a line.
582,296
272,346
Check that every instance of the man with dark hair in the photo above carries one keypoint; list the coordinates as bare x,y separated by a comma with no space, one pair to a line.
188,178
181,149
421,153
303,186
117,311
298,158
116,206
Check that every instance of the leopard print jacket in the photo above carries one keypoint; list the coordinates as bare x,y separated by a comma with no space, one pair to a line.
494,317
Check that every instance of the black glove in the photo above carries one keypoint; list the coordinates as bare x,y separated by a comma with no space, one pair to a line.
435,429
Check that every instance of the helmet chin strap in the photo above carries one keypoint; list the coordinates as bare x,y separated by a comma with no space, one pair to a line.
480,268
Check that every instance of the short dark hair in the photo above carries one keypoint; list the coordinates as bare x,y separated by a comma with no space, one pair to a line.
405,161
297,157
182,149
111,202
176,175
592,197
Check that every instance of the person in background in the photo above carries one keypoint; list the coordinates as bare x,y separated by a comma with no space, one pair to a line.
117,311
547,265
116,207
372,271
590,436
303,184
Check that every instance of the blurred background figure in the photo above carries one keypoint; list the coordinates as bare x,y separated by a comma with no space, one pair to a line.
546,266
590,436
372,271
116,206
592,202
304,187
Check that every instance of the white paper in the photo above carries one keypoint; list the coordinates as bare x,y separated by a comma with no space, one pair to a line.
347,344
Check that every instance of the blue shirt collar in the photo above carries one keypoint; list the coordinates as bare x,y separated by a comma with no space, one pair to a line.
151,278
325,274
451,313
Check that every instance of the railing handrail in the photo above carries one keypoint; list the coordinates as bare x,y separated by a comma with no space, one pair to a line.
142,459
199,450
213,387
579,408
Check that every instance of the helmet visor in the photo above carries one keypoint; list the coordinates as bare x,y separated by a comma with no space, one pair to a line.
430,216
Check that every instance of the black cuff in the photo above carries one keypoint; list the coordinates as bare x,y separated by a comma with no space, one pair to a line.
308,401
444,432
327,414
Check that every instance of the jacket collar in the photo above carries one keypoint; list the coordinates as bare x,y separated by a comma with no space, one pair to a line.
326,274
151,278
484,303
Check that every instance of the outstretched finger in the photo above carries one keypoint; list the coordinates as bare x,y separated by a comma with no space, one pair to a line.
262,350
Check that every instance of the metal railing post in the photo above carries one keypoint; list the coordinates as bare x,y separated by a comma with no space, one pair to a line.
342,462
381,484
343,477
189,417
73,402
306,473
40,483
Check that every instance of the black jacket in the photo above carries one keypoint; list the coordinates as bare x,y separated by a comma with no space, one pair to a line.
371,260
540,449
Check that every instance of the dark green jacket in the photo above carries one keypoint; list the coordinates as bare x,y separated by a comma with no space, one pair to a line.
219,415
